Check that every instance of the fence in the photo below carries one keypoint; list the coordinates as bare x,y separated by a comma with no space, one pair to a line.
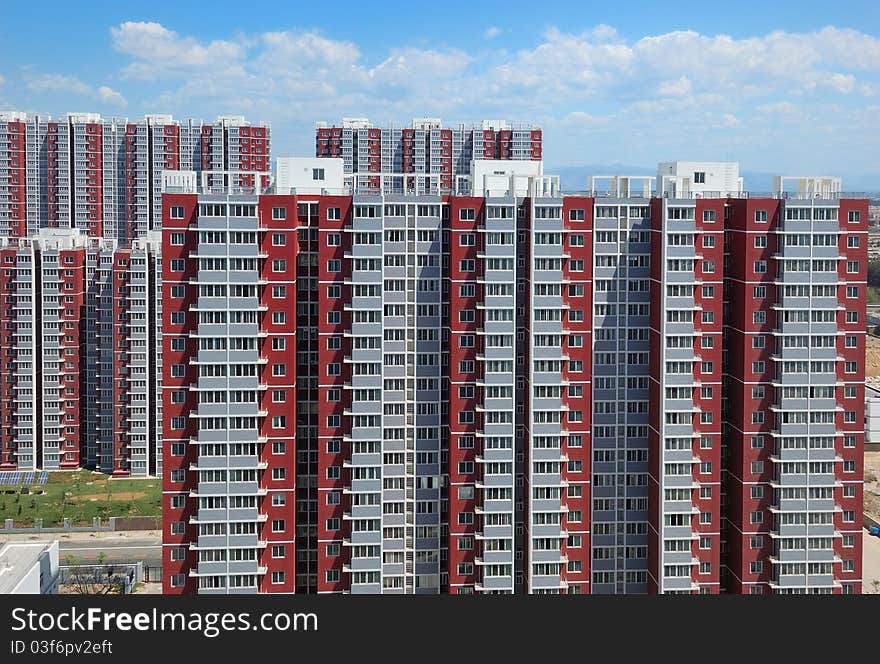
125,575
98,525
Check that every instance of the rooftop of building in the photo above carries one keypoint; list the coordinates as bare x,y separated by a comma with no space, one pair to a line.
428,123
150,118
17,558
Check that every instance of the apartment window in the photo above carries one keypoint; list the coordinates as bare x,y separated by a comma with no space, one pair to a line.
177,265
576,215
177,239
334,239
277,550
756,542
760,241
279,265
761,216
708,215
756,517
854,216
178,580
278,525
756,566
700,177
760,267
334,214
317,173
279,213
177,212
279,239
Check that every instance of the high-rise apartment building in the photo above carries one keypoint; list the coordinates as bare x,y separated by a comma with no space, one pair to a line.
513,390
229,392
79,355
794,424
103,176
425,147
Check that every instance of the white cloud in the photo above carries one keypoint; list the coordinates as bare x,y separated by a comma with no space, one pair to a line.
57,83
60,84
844,83
159,51
2,80
603,32
110,96
777,108
678,88
632,91
582,118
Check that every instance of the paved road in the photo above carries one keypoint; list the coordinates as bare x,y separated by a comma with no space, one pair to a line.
148,550
118,547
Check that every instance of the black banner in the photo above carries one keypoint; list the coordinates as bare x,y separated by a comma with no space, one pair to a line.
460,628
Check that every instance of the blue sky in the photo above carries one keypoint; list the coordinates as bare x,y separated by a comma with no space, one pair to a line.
778,86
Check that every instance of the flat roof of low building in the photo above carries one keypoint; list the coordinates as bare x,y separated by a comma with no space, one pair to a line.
17,558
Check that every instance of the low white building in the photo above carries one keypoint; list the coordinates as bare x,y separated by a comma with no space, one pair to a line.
872,418
309,175
29,568
690,179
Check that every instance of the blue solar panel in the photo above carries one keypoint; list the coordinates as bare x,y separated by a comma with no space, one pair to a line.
29,478
44,476
3,478
16,479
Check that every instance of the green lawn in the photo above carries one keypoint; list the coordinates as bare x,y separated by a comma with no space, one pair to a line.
80,496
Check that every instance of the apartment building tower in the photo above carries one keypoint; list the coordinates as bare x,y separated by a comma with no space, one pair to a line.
426,146
78,354
103,176
794,424
651,388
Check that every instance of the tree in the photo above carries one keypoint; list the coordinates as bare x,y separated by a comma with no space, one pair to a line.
100,580
874,272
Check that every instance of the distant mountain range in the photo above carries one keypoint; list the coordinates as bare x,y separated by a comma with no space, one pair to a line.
575,178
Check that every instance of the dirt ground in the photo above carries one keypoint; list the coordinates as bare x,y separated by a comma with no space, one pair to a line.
872,484
872,356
